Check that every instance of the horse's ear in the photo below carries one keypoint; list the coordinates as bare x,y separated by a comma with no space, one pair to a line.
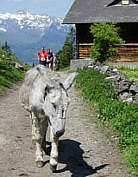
61,85
70,80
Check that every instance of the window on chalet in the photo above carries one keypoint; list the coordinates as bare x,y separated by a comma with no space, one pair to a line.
123,3
129,2
135,1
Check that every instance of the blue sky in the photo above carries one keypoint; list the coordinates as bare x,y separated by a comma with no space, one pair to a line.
57,8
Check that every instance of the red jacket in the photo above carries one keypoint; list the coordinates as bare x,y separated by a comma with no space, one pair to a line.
42,56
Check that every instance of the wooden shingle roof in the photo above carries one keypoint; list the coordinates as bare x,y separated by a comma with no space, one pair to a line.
90,11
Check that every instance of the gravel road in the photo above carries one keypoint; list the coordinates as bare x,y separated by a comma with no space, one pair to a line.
84,150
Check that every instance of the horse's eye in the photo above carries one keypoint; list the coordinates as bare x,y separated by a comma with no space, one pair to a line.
45,94
62,112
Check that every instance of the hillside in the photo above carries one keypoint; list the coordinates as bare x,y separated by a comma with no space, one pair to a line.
9,74
26,33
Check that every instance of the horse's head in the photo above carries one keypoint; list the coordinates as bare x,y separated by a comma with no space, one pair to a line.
56,104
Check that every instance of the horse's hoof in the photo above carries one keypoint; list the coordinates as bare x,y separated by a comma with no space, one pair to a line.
53,168
39,164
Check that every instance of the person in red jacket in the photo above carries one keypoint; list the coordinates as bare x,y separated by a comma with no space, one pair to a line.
42,56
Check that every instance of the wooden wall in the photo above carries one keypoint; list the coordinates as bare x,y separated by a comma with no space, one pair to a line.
125,53
84,50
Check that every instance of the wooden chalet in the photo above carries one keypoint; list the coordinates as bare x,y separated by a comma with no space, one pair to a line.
83,13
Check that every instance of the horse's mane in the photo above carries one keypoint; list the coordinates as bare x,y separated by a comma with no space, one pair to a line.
40,77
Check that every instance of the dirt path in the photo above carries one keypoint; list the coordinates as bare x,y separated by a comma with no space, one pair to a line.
83,150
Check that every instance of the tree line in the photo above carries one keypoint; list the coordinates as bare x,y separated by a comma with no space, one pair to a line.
6,47
67,52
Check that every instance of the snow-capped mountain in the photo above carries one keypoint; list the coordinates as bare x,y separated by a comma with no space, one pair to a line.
26,21
27,32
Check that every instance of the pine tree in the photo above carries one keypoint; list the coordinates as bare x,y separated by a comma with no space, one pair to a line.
6,47
68,51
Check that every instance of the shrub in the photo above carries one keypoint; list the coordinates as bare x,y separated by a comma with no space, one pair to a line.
105,36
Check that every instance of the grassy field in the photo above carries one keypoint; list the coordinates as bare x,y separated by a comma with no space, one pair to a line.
119,115
8,73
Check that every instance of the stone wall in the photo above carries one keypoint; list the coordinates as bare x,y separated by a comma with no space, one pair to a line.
79,63
127,90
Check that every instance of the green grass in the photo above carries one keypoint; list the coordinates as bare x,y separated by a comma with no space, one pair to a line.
130,73
121,116
66,69
8,73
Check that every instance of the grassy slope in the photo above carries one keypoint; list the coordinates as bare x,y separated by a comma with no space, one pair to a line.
8,73
130,73
121,116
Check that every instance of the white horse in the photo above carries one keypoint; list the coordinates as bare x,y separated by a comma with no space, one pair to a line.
46,98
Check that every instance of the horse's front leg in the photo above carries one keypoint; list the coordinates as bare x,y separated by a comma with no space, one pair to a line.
54,151
38,133
32,124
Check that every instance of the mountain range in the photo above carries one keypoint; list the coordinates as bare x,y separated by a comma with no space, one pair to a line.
26,33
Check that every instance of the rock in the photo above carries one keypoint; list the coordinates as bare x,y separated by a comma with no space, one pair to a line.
123,85
136,99
129,100
98,63
19,66
3,56
113,78
92,63
119,75
125,95
122,76
91,66
115,70
134,88
104,69
96,67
